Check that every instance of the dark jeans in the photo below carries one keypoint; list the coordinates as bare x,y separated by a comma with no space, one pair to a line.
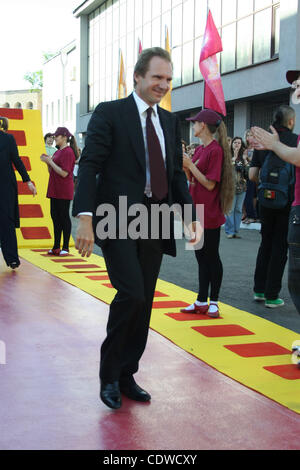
249,200
210,266
272,253
294,256
60,209
8,239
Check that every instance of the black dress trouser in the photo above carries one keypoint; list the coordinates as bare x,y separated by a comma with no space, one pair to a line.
294,256
133,267
272,253
8,239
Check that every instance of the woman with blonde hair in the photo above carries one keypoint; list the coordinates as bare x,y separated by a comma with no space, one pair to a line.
9,207
211,184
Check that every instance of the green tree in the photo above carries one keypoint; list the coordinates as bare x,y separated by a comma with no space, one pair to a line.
35,79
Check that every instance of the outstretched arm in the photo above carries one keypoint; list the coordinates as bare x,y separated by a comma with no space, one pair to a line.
267,140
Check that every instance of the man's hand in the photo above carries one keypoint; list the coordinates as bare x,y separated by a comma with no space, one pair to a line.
32,188
263,139
196,232
85,236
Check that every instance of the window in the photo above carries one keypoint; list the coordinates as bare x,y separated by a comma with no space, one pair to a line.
188,20
200,7
245,7
71,105
229,48
18,105
156,8
275,31
176,58
147,10
67,109
197,73
177,26
244,40
228,11
250,32
262,35
29,105
187,62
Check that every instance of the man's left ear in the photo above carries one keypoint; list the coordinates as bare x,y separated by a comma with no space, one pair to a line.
295,98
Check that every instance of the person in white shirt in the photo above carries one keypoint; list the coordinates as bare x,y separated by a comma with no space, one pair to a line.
135,148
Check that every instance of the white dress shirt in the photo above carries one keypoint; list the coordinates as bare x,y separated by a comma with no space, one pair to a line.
142,110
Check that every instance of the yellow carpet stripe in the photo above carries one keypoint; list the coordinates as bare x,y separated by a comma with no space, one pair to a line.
248,371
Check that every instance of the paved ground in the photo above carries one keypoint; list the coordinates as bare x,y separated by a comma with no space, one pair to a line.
238,257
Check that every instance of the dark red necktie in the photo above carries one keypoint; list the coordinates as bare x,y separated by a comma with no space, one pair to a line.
158,175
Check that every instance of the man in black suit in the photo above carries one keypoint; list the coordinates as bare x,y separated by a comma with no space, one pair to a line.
9,207
134,147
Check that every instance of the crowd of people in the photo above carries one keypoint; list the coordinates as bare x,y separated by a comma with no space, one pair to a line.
140,156
247,163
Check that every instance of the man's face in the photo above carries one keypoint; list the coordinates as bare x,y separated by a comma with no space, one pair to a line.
156,82
296,94
49,141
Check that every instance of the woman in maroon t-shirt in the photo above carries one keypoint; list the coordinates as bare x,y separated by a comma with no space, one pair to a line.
61,187
211,184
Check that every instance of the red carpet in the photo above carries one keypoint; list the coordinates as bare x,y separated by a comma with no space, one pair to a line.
49,384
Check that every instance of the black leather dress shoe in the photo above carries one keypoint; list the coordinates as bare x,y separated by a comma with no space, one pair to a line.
14,265
134,392
110,395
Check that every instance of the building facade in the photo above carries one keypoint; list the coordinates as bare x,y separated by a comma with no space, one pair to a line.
21,99
61,89
260,43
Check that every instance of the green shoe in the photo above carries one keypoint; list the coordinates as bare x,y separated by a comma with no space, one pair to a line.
259,297
274,303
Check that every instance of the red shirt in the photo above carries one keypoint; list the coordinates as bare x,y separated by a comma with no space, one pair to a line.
209,160
297,184
59,187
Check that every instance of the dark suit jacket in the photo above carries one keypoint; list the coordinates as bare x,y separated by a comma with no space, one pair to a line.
8,188
115,151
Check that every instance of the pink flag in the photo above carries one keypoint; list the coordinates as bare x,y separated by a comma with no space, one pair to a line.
139,47
213,89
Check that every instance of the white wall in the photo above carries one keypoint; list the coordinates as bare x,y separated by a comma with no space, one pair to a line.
61,90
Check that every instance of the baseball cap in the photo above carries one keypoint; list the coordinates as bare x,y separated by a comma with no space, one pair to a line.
62,131
208,116
292,75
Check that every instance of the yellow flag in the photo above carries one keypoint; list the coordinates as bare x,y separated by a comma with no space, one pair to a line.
122,88
166,102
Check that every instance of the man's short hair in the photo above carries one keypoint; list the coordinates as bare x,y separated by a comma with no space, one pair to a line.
47,135
142,65
283,114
